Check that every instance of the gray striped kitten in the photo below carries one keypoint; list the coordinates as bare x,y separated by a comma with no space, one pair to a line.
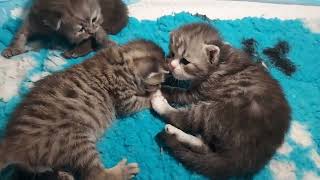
83,23
237,110
58,123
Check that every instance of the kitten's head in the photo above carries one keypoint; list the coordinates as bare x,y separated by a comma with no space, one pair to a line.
147,61
194,51
76,20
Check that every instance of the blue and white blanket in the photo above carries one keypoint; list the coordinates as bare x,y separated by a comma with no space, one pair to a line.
133,137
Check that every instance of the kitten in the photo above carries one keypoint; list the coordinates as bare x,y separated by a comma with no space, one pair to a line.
59,121
83,23
236,107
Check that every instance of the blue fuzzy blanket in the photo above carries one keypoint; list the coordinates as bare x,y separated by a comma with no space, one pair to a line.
133,137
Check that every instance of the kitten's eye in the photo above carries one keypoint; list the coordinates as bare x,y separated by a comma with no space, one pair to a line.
81,29
94,19
184,61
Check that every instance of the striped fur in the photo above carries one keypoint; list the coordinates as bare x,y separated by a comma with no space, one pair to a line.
83,24
59,121
236,107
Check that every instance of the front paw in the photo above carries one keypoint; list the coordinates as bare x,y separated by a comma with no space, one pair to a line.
123,171
166,140
70,54
169,129
159,103
12,51
62,175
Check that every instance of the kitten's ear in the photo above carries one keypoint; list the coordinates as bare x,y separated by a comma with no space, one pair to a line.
172,37
155,78
165,70
213,53
53,20
175,39
171,40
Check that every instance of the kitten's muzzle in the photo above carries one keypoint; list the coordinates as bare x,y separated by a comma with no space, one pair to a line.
172,64
169,66
91,31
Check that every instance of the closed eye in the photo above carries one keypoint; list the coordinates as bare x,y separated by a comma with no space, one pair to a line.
81,29
184,61
94,19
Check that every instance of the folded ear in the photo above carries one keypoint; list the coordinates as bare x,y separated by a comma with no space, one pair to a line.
165,71
175,39
53,20
172,34
212,52
154,78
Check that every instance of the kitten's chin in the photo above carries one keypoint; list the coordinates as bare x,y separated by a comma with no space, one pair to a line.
79,40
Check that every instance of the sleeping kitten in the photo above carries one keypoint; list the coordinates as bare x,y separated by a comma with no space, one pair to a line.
83,23
236,107
58,123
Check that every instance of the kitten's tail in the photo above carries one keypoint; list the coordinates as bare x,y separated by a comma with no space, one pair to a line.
214,165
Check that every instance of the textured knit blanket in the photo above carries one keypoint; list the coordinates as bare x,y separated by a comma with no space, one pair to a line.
134,137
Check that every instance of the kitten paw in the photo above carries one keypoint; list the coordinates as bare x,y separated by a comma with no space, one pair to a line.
160,104
170,129
64,176
123,171
12,51
157,93
166,140
69,54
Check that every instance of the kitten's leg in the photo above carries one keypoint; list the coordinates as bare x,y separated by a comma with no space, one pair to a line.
77,151
188,120
195,143
122,171
85,159
101,38
79,50
179,95
174,142
160,104
142,102
86,46
17,45
134,104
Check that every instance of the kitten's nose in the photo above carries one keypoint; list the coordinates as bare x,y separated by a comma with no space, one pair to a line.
91,30
173,64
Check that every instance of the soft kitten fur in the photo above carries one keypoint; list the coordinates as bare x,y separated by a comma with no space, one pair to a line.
83,23
59,121
236,107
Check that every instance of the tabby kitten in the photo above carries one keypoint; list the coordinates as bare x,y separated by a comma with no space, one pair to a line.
83,23
236,107
58,123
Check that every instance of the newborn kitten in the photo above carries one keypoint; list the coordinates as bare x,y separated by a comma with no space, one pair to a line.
237,108
58,123
83,23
